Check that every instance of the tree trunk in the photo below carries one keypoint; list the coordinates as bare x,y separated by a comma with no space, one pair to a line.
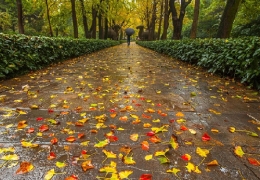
106,28
178,21
193,33
93,28
160,21
166,20
228,18
20,16
152,25
84,18
48,17
100,26
74,19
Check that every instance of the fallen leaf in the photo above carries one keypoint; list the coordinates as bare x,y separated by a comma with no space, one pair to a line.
151,133
239,151
205,137
71,139
51,156
190,167
28,144
49,174
202,152
134,137
145,145
214,130
10,157
183,128
213,163
174,171
109,154
186,157
148,157
192,131
173,142
145,177
54,140
179,114
232,129
30,130
43,128
163,160
87,165
24,167
253,161
22,124
72,177
101,144
128,160
125,174
155,139
60,164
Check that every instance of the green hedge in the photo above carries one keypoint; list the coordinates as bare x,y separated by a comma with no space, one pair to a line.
238,58
20,54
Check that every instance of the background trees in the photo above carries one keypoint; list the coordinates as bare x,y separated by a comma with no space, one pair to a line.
94,18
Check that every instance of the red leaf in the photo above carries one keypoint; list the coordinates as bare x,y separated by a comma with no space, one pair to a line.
142,98
80,135
184,128
186,157
51,156
112,110
151,133
112,138
253,161
171,121
205,137
39,118
50,110
146,177
84,152
159,104
138,104
146,116
30,130
54,140
43,128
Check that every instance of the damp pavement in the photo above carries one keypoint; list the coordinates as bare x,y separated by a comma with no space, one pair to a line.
152,113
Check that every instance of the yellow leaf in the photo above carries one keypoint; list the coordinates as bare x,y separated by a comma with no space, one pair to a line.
232,129
134,137
190,167
192,131
147,125
202,152
120,129
148,157
197,170
109,154
179,121
125,174
4,150
173,142
214,130
60,164
239,151
161,153
156,120
28,144
49,174
134,116
128,160
174,171
10,157
9,126
85,143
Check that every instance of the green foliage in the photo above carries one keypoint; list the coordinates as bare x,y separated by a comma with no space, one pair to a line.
238,58
20,54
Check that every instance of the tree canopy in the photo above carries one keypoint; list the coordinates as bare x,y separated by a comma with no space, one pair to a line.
96,18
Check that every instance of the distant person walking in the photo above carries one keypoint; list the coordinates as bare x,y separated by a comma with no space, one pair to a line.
129,32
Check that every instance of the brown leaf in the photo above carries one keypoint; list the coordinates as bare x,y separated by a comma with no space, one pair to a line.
86,165
24,167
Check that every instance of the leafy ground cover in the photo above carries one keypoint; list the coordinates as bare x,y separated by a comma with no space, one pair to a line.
21,54
238,58
127,113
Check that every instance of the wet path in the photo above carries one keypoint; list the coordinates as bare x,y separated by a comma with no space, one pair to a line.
146,110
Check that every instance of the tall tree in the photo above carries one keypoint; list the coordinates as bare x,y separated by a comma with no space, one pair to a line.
74,19
152,24
178,21
93,28
84,18
48,17
165,20
20,16
160,20
228,18
193,33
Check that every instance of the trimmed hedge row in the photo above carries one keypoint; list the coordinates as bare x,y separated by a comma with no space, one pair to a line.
238,58
20,54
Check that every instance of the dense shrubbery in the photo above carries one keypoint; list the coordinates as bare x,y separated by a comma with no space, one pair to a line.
20,54
239,58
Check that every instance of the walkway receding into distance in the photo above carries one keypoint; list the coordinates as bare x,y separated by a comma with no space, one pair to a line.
146,112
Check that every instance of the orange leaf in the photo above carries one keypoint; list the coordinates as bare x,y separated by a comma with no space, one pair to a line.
155,139
43,128
21,124
80,135
72,177
30,130
213,163
54,140
126,149
79,123
24,168
113,115
186,157
145,145
253,161
146,116
123,118
179,114
71,139
86,165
